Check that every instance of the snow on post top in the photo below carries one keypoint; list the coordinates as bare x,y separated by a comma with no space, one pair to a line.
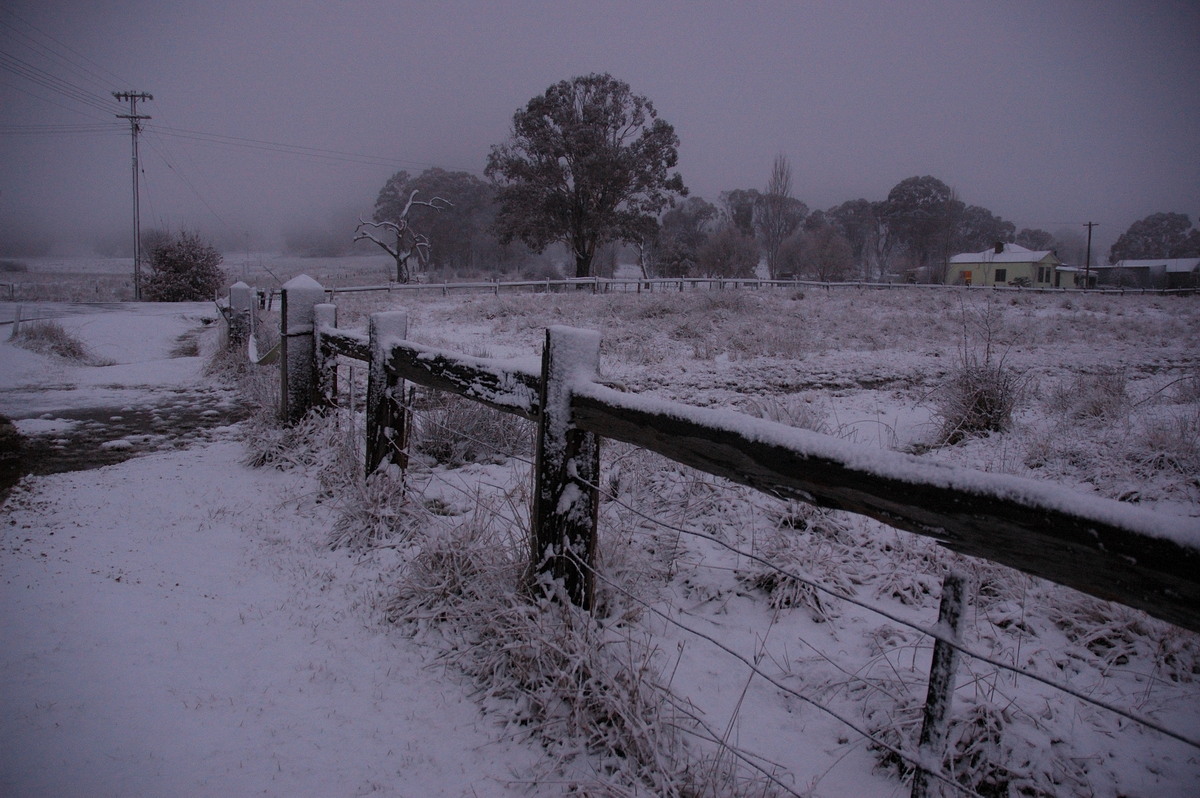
303,281
576,353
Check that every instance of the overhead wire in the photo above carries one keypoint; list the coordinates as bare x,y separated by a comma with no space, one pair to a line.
54,83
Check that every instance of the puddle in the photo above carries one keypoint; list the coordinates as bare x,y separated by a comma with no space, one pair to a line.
86,438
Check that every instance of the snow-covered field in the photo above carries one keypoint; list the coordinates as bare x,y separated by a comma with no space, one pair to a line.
177,624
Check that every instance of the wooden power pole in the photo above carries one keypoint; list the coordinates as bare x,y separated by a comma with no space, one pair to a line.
134,118
1087,270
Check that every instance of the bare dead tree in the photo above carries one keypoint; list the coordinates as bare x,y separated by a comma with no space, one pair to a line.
408,243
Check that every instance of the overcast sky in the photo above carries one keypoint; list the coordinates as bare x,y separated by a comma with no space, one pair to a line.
1050,114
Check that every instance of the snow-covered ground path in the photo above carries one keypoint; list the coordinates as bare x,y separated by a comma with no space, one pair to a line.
172,625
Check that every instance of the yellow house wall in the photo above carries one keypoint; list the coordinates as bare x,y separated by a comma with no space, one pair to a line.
985,273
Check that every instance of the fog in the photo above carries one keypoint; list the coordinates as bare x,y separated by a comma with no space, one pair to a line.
272,115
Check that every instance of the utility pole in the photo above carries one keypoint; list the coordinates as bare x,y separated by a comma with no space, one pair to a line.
1087,271
134,128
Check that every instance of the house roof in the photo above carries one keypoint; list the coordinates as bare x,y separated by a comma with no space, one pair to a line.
1013,253
1172,265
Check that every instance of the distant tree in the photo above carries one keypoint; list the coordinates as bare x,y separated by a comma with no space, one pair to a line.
683,230
1071,245
587,162
1035,239
727,253
399,239
825,254
741,205
779,212
183,268
1160,235
977,228
859,222
458,230
921,214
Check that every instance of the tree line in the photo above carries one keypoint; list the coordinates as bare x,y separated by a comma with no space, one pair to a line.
588,166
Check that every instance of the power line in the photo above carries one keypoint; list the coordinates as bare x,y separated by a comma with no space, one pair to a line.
287,149
65,46
183,177
51,102
53,130
48,80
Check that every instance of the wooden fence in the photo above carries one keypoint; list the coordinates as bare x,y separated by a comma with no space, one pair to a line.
603,285
1099,546
1106,548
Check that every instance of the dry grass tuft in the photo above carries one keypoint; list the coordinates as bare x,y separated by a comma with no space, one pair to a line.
454,431
51,338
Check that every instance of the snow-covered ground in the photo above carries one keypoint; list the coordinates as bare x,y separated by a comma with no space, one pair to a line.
176,624
171,625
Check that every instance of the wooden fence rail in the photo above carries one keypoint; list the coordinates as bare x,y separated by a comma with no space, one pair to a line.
1106,548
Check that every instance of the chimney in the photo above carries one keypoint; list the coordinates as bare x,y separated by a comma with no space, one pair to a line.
999,247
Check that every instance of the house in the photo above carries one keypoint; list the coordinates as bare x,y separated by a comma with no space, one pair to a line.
1007,264
1153,273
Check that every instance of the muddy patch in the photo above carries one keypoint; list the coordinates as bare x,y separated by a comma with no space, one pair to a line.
85,438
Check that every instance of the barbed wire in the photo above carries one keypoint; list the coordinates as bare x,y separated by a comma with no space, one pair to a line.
932,632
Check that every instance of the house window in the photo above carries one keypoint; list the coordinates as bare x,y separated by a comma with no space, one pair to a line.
1043,274
1001,275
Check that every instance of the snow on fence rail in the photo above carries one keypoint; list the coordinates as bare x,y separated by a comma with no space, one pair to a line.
1102,547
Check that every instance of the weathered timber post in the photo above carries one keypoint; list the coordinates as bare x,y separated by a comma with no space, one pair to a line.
325,368
297,354
943,672
387,433
566,468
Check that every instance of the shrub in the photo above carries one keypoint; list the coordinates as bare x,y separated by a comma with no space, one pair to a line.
983,391
978,399
184,269
13,266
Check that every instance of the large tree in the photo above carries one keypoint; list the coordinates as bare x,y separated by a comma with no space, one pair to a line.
1035,239
1159,235
587,162
742,205
780,214
978,228
921,214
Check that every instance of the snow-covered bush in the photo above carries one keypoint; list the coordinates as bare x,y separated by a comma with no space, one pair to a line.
184,269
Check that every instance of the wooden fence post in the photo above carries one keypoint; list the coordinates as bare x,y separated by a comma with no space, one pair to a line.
325,315
943,672
566,468
387,433
297,354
